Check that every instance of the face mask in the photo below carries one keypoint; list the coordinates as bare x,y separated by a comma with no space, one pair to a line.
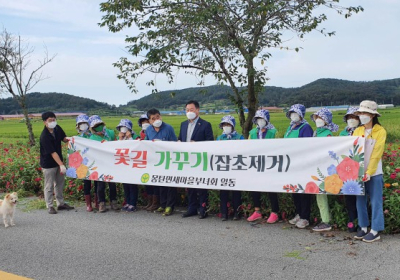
83,127
261,123
294,117
353,123
99,128
227,129
145,126
364,119
191,115
123,129
52,125
157,123
319,122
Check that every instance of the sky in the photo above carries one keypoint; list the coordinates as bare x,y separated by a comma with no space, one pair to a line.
366,47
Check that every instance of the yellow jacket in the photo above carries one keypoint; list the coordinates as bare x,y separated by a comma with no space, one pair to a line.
379,135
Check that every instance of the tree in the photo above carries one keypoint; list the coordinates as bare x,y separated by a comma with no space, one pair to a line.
226,39
16,78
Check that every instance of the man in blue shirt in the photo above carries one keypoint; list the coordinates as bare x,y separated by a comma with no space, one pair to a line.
160,131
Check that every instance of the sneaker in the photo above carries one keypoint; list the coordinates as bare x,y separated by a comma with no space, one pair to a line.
52,210
125,207
131,208
322,227
64,206
255,216
295,219
351,227
370,237
167,212
360,234
302,223
160,210
273,218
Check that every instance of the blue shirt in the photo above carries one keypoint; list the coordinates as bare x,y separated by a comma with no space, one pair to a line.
166,133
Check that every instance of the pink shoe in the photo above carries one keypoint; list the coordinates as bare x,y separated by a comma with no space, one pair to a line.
255,216
273,218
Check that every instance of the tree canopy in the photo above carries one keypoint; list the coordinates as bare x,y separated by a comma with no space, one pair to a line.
221,38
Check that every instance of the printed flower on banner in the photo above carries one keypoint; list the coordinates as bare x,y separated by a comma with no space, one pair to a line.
293,188
79,167
345,177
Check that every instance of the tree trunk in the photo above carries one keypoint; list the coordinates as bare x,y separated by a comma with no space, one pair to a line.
28,123
251,100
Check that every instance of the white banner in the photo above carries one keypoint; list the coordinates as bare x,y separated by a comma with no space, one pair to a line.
333,165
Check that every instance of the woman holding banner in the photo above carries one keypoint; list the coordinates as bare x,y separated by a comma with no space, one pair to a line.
325,127
298,128
264,130
227,125
130,190
101,133
375,138
352,121
82,127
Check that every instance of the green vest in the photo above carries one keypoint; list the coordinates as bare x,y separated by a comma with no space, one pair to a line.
269,135
294,133
110,134
344,133
323,132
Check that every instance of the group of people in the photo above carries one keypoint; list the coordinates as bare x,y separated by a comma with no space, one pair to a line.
361,121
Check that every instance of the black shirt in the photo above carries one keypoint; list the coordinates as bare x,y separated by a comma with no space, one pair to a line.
50,143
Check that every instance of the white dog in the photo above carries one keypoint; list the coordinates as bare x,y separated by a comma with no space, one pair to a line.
7,208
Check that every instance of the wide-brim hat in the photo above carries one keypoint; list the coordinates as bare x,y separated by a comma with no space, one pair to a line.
95,120
229,120
126,123
300,109
263,114
350,111
368,106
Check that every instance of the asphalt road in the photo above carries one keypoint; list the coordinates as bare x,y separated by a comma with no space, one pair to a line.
141,245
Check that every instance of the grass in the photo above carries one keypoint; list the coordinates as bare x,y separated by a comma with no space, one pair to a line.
13,130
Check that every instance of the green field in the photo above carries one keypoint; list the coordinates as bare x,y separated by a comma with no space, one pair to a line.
13,130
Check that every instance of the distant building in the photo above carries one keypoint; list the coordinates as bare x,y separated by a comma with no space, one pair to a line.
38,115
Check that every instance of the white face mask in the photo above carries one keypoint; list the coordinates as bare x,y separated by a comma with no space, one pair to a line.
157,123
52,125
123,129
83,127
294,117
227,129
364,119
191,115
319,122
261,123
145,126
352,123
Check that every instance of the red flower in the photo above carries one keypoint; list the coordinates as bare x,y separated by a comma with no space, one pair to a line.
94,176
6,150
71,193
397,170
80,188
311,187
393,176
348,169
75,160
21,168
355,142
391,164
38,179
228,204
203,205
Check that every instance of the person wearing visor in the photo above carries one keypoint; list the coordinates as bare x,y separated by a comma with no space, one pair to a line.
101,133
352,121
325,127
130,190
82,127
263,130
227,125
299,128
